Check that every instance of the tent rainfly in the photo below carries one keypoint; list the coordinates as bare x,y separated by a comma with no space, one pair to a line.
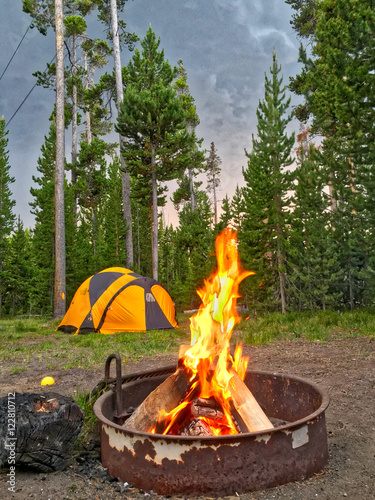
118,300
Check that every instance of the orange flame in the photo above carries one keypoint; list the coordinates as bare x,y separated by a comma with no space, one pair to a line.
211,328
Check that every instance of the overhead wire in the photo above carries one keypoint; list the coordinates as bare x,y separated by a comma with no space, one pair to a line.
24,100
15,52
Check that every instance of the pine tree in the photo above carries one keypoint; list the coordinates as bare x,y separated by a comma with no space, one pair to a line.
226,215
304,20
187,185
265,225
17,275
238,208
152,121
43,235
337,83
7,217
194,244
167,254
213,169
312,266
113,220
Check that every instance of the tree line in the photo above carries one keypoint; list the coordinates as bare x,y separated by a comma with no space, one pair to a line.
303,208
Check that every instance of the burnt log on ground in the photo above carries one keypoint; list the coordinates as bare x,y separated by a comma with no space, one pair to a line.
42,433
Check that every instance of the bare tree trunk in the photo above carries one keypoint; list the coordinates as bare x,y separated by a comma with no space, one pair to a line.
88,116
125,175
280,265
332,199
74,120
155,225
138,242
1,282
60,264
351,291
215,206
192,194
191,177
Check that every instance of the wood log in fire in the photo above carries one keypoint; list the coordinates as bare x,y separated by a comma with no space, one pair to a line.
166,396
196,427
209,408
247,406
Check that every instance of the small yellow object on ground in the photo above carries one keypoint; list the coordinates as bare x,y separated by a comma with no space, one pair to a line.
47,381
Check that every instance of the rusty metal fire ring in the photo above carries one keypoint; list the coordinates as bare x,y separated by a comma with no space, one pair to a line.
224,465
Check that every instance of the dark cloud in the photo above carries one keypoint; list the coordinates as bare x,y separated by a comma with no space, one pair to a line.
226,47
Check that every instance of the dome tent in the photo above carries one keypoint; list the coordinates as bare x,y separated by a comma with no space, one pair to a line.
118,300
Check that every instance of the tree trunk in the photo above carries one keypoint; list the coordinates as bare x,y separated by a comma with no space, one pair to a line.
155,225
88,116
215,204
192,194
60,264
138,242
1,283
330,190
74,121
125,175
280,266
351,290
191,177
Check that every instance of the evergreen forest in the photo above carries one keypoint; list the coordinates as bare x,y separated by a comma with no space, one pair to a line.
304,209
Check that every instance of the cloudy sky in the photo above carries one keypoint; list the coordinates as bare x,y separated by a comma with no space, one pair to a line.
226,47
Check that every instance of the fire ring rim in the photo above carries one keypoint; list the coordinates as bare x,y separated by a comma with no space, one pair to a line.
325,400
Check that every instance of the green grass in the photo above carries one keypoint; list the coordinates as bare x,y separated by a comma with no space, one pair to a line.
36,339
40,341
310,326
86,403
18,369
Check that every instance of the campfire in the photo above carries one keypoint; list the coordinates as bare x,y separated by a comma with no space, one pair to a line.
206,395
211,425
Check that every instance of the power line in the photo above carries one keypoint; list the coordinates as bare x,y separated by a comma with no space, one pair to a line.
19,107
14,53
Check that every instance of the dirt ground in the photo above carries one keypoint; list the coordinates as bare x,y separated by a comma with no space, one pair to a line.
345,368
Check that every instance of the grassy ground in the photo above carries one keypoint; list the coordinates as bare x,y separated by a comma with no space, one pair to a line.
25,339
310,326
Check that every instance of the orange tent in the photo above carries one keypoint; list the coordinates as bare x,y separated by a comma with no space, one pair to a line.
118,300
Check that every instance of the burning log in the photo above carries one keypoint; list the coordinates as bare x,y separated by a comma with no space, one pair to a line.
167,396
196,427
42,432
209,408
247,406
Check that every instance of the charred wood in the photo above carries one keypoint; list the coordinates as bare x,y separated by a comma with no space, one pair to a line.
46,427
209,408
196,427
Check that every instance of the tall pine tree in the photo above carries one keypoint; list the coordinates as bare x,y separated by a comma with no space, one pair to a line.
7,217
265,224
152,120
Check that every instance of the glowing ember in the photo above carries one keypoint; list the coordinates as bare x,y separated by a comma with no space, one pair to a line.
46,406
209,359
